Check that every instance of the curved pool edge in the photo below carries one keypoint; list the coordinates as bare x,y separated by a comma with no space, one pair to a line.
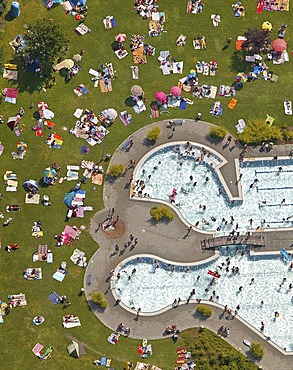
217,169
192,301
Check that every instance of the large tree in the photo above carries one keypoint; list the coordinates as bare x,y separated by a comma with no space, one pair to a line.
46,43
257,41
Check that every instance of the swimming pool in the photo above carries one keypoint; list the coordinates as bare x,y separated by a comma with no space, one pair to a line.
203,200
155,286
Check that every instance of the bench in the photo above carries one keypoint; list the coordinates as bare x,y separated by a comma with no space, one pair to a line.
89,279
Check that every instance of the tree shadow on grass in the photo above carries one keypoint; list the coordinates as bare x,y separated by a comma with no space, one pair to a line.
238,63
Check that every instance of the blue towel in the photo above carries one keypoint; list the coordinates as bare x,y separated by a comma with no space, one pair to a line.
54,298
103,361
182,105
114,22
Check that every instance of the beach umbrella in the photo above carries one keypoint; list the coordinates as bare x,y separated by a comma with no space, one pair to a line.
22,146
279,45
121,37
76,57
31,185
111,113
241,77
12,122
48,114
175,91
68,63
50,172
42,105
136,90
160,96
267,26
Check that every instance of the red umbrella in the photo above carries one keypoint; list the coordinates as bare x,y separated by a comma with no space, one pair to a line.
175,91
121,37
42,105
160,95
279,45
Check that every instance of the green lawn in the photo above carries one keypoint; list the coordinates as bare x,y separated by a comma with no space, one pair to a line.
254,101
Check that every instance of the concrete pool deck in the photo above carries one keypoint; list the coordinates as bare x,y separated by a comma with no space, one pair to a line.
170,241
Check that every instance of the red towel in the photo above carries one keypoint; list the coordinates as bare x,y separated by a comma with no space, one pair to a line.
260,5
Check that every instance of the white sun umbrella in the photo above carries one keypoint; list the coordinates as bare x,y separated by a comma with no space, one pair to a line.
42,105
48,114
111,114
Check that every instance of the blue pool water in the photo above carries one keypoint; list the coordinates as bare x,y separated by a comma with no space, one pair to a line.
152,288
269,203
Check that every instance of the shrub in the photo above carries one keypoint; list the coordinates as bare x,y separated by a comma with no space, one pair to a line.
287,135
116,170
99,299
257,350
154,133
217,132
204,310
257,131
3,4
161,213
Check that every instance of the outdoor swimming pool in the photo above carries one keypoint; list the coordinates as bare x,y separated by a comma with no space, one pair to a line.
269,203
152,288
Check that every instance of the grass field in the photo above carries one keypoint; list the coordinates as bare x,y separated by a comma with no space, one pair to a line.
255,100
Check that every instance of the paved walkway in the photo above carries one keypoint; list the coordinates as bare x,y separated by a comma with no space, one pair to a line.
169,241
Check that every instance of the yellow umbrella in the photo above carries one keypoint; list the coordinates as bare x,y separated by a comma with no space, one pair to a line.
267,26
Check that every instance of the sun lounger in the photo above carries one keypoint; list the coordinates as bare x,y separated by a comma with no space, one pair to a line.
288,107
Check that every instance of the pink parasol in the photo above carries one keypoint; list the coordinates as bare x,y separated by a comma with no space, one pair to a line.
121,37
279,45
42,105
160,95
175,91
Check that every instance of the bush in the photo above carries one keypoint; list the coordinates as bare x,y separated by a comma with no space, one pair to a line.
161,213
204,310
99,299
257,350
287,135
116,170
257,131
217,132
3,4
154,133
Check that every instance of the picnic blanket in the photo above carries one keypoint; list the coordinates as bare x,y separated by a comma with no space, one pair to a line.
110,22
217,109
154,111
227,91
106,85
32,273
54,141
70,321
277,5
288,107
78,258
113,338
125,117
10,95
35,199
135,72
240,126
54,298
97,178
10,72
82,29
80,90
18,43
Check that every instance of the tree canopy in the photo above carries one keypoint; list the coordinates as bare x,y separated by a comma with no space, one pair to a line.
257,41
46,42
